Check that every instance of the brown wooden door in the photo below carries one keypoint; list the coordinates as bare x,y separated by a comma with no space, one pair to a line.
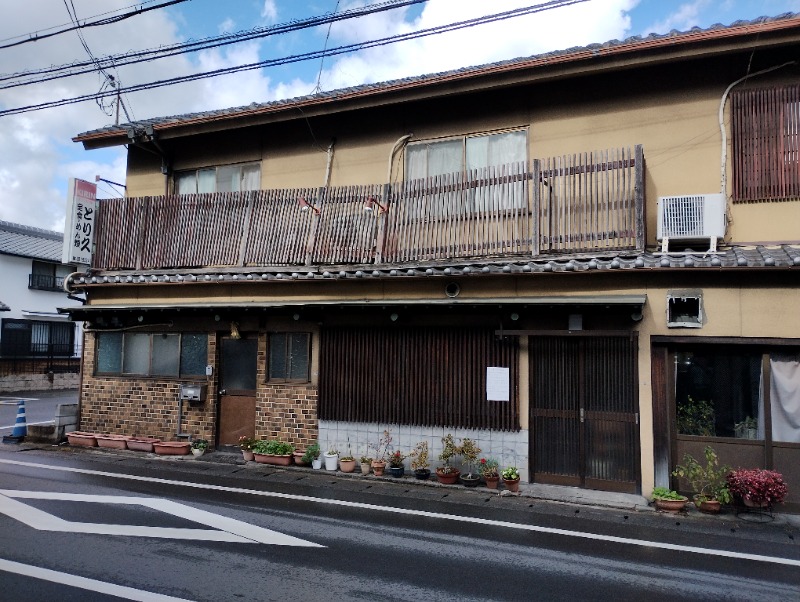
584,414
237,393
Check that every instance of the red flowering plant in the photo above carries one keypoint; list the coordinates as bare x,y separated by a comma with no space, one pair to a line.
757,485
396,459
489,468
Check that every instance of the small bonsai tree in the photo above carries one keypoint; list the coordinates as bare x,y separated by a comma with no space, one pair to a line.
382,446
449,451
706,480
419,456
469,451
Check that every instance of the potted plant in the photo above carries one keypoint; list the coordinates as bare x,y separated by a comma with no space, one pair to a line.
510,476
199,446
312,455
668,500
757,487
246,445
331,458
366,464
347,463
381,448
277,453
696,417
746,429
396,466
448,474
419,461
489,469
470,451
706,480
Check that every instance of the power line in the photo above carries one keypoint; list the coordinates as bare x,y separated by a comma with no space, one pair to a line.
133,57
305,56
36,36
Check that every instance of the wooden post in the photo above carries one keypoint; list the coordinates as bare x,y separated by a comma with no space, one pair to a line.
248,213
315,219
536,192
639,197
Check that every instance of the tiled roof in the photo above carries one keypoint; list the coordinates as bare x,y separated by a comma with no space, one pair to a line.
27,241
737,258
630,44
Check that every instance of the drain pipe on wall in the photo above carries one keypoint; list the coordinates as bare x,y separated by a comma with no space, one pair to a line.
724,159
329,163
395,147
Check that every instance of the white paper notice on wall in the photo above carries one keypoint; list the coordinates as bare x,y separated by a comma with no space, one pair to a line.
497,384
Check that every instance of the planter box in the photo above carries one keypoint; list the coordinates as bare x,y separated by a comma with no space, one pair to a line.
143,444
112,441
81,439
172,448
273,459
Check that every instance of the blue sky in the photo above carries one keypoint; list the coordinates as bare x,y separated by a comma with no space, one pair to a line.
36,153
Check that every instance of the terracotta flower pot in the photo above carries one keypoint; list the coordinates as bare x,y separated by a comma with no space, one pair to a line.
82,439
492,482
707,506
143,444
378,468
112,441
172,448
673,506
512,485
298,458
347,465
447,478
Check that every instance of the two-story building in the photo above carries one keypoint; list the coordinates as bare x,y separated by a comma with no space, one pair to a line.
39,346
586,260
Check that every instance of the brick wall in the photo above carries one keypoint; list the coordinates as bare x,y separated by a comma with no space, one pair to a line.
149,407
141,407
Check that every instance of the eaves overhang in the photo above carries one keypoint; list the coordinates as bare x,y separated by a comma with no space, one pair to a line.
612,55
205,308
783,257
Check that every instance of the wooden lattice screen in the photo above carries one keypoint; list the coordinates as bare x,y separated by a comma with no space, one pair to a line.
765,127
419,376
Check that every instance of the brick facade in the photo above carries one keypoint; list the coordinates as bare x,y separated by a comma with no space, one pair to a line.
149,407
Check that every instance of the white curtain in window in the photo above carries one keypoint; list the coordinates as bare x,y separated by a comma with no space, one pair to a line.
785,397
228,178
492,151
206,181
251,177
186,182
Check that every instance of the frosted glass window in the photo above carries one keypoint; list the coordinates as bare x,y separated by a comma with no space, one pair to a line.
166,356
225,178
194,354
289,356
136,354
109,353
298,356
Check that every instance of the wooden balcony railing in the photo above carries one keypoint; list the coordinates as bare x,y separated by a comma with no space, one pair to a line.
577,203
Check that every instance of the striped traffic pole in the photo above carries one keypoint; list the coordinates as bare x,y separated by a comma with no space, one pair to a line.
20,426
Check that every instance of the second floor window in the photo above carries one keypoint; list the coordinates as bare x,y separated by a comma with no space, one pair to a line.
46,276
225,178
479,157
765,127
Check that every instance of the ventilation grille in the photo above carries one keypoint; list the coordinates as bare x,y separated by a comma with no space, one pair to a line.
691,216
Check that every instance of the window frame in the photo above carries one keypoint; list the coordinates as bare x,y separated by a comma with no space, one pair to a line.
150,359
216,168
287,368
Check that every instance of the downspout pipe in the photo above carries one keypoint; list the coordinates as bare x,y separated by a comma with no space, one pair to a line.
329,163
395,147
721,116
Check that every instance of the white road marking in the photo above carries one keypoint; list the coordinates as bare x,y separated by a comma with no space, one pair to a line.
393,510
93,585
223,528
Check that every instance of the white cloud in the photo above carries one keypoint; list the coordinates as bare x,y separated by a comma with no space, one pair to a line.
227,26
687,16
269,12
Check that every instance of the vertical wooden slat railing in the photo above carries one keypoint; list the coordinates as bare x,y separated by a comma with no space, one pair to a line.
579,203
485,212
346,232
591,201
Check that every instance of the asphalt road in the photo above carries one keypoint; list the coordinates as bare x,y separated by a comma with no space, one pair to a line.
40,407
195,530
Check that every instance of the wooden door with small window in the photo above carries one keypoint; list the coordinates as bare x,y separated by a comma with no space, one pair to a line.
237,389
584,415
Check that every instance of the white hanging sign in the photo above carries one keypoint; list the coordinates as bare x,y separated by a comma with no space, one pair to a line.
498,384
80,222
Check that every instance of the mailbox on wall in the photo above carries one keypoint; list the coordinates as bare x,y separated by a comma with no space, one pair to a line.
194,394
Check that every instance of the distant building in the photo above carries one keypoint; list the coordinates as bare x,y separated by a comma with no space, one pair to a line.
38,346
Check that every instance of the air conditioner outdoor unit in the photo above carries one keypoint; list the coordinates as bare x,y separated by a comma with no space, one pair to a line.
691,217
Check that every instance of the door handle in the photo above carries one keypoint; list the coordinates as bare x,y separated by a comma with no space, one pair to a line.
223,391
582,416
